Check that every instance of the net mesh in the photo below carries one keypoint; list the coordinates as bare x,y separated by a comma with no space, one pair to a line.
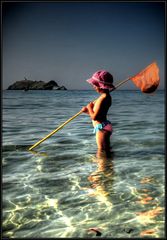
148,79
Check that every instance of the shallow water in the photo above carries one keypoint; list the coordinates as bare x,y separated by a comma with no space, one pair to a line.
62,189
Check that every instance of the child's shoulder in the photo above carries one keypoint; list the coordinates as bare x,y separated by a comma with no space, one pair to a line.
104,98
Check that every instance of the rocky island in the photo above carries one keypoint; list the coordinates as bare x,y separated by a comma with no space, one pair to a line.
35,85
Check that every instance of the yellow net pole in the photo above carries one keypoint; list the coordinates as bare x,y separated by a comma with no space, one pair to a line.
56,130
119,84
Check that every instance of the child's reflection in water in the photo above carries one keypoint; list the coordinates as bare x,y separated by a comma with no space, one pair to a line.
102,179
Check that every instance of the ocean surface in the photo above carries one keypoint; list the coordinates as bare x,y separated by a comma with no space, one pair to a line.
61,189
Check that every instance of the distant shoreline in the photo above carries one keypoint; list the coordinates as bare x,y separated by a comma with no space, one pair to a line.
27,85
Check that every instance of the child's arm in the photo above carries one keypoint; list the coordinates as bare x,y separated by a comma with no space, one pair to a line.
96,110
90,110
85,109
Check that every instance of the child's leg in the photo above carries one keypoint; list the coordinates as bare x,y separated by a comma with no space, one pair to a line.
103,140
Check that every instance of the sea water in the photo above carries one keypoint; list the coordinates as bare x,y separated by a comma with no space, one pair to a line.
61,189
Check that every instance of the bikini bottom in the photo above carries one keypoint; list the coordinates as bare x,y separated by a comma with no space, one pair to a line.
106,125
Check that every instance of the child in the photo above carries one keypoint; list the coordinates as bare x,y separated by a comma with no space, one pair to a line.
102,81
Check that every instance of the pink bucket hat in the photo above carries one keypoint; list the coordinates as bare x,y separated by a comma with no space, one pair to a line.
102,79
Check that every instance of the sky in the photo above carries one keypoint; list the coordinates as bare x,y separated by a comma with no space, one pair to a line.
69,41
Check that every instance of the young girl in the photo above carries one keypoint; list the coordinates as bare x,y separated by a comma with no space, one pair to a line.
102,81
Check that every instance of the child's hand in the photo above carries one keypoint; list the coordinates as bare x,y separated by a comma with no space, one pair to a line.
90,105
84,109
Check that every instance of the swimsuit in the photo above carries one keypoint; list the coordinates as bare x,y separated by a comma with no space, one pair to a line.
106,125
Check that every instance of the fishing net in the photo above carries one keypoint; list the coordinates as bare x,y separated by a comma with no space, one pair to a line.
148,79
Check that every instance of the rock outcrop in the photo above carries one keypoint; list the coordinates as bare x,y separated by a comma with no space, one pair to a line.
35,85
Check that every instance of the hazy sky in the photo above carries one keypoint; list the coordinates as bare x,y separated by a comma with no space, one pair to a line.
69,41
